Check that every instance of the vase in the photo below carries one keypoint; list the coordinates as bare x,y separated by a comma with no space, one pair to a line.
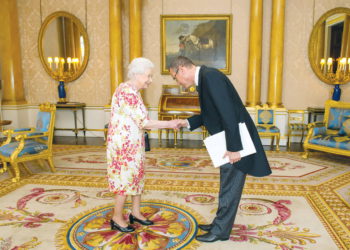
336,93
61,92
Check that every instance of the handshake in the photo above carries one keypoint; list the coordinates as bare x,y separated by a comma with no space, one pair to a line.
177,124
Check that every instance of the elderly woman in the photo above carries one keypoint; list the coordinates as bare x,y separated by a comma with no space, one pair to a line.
126,143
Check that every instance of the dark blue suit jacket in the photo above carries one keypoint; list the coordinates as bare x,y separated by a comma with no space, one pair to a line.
222,109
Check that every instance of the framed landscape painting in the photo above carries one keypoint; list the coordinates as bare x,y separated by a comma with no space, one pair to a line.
205,39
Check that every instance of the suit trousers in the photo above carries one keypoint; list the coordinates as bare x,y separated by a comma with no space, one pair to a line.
231,187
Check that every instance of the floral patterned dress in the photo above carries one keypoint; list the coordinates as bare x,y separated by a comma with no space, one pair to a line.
125,142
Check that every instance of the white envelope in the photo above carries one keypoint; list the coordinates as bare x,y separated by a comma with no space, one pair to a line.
216,145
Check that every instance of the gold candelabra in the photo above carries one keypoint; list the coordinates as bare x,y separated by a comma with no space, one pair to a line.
63,69
342,72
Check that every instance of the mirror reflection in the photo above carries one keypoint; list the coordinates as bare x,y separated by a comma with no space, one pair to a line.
330,47
63,46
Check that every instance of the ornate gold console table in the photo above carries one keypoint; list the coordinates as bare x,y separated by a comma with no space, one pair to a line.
73,106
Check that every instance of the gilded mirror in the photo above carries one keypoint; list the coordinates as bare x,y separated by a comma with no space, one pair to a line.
329,47
63,46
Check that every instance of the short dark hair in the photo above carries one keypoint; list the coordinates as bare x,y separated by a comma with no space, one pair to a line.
180,61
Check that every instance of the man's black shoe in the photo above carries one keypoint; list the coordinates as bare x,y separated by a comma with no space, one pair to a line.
205,227
209,237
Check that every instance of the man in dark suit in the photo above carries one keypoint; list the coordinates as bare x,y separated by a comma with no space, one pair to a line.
222,109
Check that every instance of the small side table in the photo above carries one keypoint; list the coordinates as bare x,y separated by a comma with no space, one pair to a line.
5,122
73,106
314,112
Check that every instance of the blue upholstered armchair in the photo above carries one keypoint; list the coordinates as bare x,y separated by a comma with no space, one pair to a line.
29,144
265,124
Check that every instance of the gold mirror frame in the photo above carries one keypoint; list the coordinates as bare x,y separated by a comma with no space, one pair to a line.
313,42
81,29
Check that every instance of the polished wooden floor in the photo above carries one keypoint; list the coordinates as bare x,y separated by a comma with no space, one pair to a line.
99,141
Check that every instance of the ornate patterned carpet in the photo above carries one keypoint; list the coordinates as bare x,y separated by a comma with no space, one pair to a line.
304,204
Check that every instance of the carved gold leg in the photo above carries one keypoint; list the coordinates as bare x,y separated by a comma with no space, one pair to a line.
203,133
4,168
16,170
11,171
105,134
272,142
160,136
302,135
278,143
167,133
306,154
52,167
175,137
288,140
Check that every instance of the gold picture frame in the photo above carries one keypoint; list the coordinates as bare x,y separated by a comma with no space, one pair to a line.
63,35
205,39
324,44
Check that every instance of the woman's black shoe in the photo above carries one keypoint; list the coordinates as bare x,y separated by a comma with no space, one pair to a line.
132,219
127,229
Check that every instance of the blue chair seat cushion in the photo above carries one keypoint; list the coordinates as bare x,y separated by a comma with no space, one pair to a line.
333,141
30,147
268,129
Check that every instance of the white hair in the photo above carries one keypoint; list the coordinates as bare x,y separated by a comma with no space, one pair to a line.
139,66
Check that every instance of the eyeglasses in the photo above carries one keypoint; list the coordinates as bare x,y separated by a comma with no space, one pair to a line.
174,77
